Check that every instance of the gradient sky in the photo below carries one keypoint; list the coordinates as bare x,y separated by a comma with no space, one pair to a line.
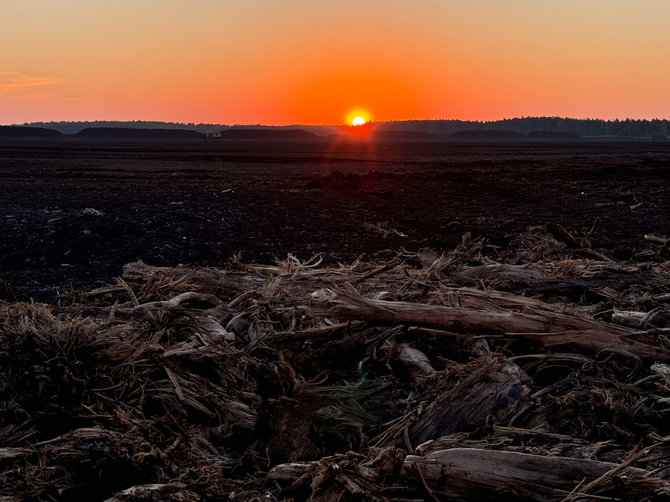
315,62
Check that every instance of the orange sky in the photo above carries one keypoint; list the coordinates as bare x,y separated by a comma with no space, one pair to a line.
284,62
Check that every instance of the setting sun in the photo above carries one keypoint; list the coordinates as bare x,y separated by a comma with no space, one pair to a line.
358,117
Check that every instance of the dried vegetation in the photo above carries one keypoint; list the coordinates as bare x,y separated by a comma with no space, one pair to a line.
538,372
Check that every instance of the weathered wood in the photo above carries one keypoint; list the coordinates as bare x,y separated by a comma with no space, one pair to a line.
655,318
8,453
348,304
414,361
157,493
211,328
530,280
181,299
657,239
491,384
479,347
469,474
628,318
546,328
562,235
501,272
289,472
476,474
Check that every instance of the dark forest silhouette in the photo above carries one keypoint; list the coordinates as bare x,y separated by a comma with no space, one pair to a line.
556,127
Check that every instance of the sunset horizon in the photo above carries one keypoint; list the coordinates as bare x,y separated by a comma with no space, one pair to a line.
342,124
305,63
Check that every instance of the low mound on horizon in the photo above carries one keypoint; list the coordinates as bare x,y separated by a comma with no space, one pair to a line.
28,132
131,133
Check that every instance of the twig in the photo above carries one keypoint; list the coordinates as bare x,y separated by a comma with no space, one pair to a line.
130,292
392,264
657,239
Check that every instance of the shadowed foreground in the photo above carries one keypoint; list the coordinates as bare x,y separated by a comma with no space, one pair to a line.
541,374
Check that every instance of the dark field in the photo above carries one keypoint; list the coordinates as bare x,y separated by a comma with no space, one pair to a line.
71,213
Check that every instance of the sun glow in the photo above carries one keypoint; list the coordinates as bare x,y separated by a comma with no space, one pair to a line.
357,117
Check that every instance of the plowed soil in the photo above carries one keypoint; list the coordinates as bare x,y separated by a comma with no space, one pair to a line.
72,213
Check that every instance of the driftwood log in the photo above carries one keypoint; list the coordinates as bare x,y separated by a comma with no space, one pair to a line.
546,328
658,318
473,473
493,384
533,281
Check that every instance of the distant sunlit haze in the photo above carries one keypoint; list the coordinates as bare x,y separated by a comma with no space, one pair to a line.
307,62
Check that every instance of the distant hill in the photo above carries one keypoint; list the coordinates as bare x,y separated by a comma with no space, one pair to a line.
139,134
75,127
253,134
28,132
205,128
486,134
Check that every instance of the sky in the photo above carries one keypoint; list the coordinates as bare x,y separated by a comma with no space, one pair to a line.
324,62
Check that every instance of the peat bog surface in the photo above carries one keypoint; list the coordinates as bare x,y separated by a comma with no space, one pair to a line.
73,212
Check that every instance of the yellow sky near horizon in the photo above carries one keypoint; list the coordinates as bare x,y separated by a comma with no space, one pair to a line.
299,61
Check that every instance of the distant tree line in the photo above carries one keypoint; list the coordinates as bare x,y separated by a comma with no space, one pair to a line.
628,128
582,127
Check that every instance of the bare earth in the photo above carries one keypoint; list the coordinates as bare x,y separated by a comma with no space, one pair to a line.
530,361
72,213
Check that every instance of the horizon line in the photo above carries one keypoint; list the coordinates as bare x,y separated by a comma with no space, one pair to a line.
344,124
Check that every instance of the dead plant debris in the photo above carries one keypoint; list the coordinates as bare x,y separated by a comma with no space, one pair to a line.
537,372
